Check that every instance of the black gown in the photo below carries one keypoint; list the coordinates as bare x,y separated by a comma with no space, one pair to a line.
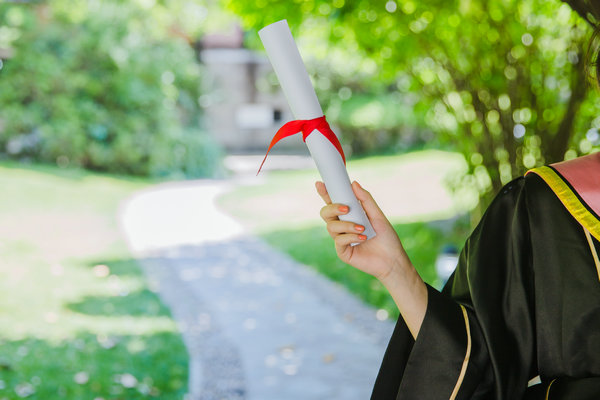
524,301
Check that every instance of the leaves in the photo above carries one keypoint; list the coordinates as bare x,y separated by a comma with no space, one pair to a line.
502,81
103,85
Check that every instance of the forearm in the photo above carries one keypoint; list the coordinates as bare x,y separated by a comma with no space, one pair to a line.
382,256
409,293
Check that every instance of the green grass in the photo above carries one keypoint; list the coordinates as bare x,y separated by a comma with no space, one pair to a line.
313,246
412,189
77,319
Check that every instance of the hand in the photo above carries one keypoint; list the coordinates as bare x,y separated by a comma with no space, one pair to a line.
377,256
382,256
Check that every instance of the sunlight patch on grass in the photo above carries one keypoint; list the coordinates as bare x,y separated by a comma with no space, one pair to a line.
77,319
409,188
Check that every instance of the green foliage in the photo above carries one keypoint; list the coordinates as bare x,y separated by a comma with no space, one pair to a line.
101,85
83,367
502,81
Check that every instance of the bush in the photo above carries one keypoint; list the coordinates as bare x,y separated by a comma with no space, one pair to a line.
101,85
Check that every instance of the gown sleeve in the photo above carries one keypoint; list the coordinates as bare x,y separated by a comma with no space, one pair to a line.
477,339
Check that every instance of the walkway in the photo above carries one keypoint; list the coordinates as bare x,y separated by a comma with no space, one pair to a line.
258,325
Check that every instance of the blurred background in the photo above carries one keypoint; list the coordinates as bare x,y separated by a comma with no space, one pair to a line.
140,256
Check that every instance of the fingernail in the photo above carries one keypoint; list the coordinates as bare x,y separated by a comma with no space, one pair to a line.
359,228
343,209
362,237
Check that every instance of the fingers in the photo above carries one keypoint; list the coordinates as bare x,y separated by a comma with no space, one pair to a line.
338,227
322,190
349,238
345,233
367,201
331,212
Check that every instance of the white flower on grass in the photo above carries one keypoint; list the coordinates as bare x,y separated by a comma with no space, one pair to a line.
101,270
24,389
128,380
106,342
144,389
81,378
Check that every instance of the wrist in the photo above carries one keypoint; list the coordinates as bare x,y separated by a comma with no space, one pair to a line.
399,267
409,293
402,277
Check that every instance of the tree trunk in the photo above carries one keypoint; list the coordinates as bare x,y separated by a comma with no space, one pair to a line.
560,142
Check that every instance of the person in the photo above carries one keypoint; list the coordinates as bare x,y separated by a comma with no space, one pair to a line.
523,305
520,316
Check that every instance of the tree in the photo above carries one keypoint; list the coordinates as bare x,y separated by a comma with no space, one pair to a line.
104,85
503,82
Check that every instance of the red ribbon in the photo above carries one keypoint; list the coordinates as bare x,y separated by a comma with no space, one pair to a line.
306,126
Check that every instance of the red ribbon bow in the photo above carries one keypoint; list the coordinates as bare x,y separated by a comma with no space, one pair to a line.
306,126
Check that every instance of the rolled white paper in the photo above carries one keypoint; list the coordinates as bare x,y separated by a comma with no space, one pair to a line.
300,94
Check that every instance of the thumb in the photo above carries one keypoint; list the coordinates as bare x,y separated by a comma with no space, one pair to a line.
368,203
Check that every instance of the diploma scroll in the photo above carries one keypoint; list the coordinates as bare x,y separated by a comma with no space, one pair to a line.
300,94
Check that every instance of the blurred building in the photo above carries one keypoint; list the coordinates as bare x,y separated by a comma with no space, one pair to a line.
244,104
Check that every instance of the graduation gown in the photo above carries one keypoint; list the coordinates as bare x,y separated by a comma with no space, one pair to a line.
522,306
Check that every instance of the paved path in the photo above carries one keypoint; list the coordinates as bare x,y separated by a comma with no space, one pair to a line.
258,325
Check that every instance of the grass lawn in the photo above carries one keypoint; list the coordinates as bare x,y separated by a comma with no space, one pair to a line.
77,319
412,189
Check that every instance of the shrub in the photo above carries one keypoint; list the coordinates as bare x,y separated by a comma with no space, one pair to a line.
104,86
